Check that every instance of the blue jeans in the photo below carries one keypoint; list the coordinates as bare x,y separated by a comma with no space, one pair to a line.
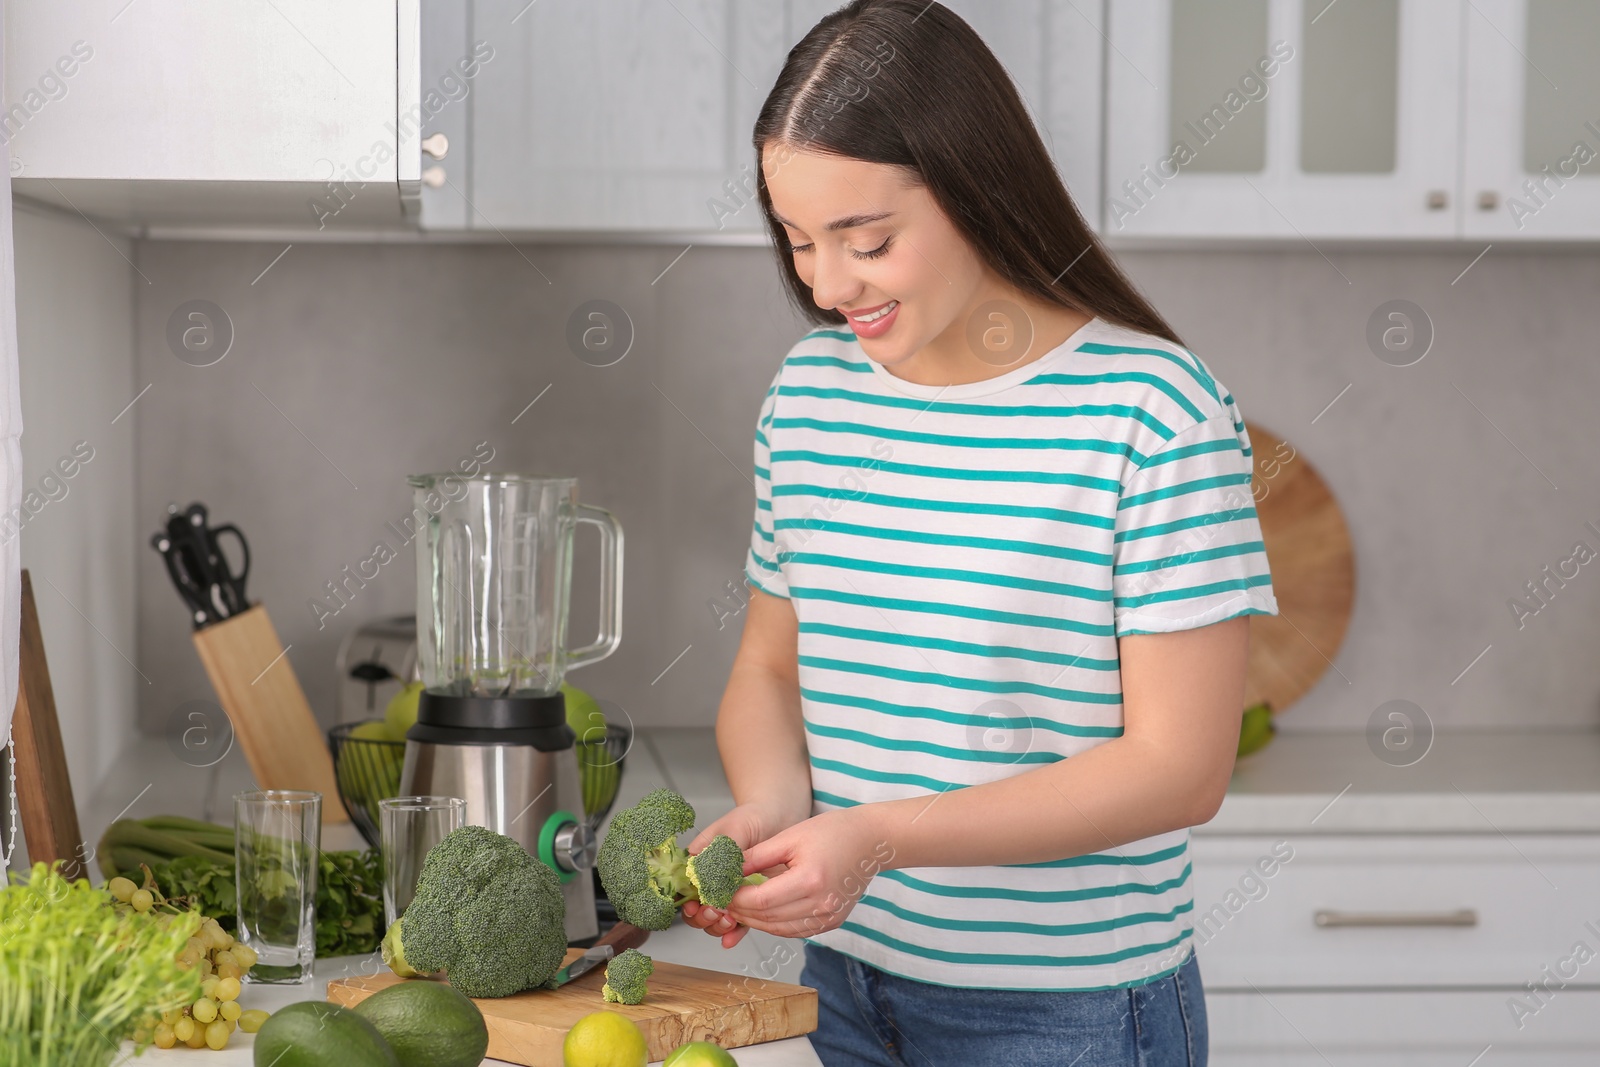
866,1016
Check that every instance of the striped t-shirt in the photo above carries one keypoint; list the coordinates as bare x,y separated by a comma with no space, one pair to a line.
961,560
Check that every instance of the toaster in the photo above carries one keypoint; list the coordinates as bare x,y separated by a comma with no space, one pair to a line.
375,662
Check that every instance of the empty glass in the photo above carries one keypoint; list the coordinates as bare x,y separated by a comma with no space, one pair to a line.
408,828
278,839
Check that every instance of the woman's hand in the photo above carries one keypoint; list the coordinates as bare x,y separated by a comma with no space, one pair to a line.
746,824
826,862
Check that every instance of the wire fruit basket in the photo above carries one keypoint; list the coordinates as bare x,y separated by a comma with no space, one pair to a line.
367,770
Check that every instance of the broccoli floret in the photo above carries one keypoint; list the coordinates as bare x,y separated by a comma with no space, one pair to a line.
717,871
486,913
640,863
648,876
625,977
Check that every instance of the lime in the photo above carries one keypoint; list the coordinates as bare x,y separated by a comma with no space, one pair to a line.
313,1034
401,714
604,1039
699,1054
428,1024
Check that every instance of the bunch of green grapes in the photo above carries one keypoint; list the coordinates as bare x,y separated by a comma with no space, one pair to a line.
223,962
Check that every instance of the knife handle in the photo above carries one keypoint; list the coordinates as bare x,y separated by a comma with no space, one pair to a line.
622,937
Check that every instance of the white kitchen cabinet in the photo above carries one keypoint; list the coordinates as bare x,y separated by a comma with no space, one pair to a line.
1531,162
1429,1028
633,115
187,113
1292,119
1380,949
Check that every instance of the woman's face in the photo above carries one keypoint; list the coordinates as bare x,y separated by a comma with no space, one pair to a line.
869,243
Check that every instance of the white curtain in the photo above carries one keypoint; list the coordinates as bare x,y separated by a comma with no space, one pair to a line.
10,459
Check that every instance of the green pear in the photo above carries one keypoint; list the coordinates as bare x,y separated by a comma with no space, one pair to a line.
401,714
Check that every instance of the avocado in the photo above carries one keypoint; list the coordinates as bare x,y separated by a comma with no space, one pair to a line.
311,1033
428,1024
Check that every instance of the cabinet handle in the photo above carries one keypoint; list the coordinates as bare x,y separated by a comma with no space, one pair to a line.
433,177
1438,200
1328,917
436,146
1488,200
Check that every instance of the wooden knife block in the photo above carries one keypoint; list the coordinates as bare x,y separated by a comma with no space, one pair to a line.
267,708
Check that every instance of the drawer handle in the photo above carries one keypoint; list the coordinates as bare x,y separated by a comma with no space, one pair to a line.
1328,917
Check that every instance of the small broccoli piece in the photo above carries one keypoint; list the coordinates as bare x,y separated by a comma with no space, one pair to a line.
625,977
717,871
486,913
642,867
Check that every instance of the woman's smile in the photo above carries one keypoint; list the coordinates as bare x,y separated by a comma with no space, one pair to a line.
874,321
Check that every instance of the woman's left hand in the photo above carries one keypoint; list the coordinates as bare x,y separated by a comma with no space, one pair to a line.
830,858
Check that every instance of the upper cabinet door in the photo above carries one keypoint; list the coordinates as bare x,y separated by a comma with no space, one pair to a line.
1293,119
1532,156
603,115
187,111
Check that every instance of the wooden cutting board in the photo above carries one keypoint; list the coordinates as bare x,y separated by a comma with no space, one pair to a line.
684,1004
1313,568
267,708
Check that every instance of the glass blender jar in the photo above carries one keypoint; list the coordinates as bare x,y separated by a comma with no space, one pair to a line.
494,576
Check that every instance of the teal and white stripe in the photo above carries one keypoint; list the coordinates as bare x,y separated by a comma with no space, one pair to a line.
962,561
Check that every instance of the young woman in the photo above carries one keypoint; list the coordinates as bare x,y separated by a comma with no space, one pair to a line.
993,665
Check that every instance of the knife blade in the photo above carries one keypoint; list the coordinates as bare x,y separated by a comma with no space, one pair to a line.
617,940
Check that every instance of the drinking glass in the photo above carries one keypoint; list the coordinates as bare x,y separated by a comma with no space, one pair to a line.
408,828
278,838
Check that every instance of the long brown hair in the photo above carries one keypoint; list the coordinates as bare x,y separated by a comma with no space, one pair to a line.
909,84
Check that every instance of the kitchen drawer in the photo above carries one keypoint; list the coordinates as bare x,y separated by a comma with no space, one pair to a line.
1532,899
1425,1029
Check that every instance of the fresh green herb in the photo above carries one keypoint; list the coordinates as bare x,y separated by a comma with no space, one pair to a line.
349,900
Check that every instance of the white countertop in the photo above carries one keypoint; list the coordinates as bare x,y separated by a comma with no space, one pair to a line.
1470,781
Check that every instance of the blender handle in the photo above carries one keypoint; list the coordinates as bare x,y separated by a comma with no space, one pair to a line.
610,587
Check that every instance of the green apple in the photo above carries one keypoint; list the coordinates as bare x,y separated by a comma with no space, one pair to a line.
401,714
699,1054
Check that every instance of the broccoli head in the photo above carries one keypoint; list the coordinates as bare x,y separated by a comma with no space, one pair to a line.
625,977
486,913
648,876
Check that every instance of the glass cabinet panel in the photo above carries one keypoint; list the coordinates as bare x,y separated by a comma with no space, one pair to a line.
1562,80
1215,47
1349,103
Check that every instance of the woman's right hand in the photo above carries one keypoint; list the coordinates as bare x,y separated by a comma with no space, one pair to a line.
747,824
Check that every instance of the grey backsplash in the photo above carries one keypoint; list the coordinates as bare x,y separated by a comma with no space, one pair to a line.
1461,477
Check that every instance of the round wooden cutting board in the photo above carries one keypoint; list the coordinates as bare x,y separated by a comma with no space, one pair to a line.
1313,574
